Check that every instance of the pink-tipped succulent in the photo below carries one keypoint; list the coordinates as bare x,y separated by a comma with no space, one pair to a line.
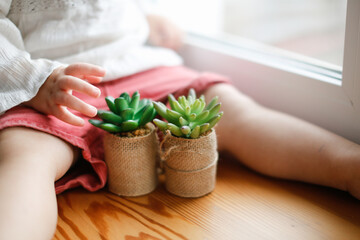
189,116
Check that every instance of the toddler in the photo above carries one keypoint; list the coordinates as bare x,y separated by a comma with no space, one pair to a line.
59,59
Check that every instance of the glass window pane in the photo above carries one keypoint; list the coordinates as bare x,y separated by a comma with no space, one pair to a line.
314,28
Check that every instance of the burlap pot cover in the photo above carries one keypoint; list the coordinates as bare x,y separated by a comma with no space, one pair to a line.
132,163
190,165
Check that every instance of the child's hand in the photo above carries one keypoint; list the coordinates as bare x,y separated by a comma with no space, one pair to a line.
164,33
55,95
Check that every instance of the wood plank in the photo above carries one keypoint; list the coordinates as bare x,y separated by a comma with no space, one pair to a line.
244,205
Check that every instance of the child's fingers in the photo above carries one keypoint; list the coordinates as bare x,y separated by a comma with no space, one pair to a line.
62,113
92,79
76,104
173,38
176,41
76,84
84,69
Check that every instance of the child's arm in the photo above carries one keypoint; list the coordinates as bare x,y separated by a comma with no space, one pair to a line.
55,95
40,83
20,75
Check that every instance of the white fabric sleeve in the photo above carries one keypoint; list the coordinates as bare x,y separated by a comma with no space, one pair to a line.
20,76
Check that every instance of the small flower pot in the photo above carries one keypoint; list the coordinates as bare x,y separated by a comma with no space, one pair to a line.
132,163
190,165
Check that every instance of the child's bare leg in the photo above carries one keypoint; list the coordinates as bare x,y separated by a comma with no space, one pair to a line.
30,162
283,146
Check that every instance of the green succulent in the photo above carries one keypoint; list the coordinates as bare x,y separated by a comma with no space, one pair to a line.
188,117
126,113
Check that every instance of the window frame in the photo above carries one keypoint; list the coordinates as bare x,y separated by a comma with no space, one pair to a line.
290,83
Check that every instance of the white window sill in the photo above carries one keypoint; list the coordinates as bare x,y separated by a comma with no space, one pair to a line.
286,84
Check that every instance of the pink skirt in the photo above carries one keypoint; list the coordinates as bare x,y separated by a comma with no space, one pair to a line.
90,171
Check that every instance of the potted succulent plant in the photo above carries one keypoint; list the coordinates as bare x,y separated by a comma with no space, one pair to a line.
130,144
189,148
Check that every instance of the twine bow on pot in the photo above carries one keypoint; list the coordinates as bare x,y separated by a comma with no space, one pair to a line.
189,164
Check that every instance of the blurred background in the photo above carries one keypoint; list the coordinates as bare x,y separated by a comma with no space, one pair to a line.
312,28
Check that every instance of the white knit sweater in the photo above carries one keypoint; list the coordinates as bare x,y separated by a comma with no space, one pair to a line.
37,36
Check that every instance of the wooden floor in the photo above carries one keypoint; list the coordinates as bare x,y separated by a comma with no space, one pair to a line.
244,205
